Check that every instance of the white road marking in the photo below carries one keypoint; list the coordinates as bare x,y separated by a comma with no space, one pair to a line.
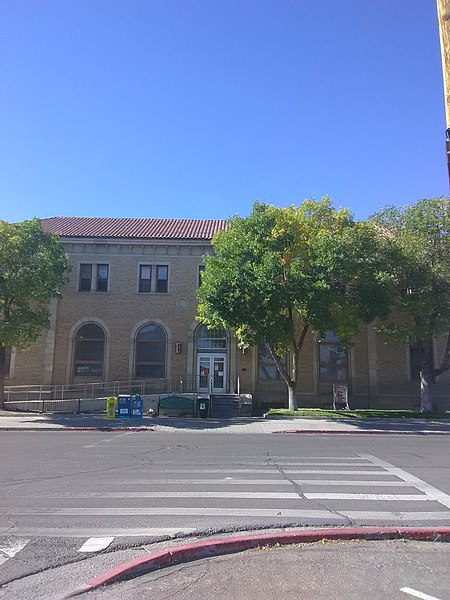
95,544
334,472
177,494
352,482
269,469
390,497
428,489
363,515
7,552
183,511
283,464
84,533
154,482
308,458
417,594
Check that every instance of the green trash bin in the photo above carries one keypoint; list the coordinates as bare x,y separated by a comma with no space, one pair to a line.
203,407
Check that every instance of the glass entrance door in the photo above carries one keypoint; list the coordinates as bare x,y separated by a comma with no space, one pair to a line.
211,373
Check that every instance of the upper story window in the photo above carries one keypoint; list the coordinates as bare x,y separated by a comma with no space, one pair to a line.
333,362
102,278
145,278
89,351
267,369
153,279
85,278
86,282
162,278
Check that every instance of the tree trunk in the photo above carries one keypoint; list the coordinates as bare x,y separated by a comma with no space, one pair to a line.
292,395
427,377
426,401
2,376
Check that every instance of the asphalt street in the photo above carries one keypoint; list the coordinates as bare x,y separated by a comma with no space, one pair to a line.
130,489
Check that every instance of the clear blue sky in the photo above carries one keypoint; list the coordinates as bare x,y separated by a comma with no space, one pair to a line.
196,108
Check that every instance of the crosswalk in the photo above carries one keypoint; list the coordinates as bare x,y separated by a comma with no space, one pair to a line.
174,500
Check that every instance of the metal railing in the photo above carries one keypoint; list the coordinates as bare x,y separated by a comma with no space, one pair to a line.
80,397
68,398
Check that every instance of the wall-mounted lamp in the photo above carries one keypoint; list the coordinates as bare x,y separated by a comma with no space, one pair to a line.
178,348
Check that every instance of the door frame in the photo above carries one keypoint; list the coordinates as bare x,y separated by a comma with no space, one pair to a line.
211,356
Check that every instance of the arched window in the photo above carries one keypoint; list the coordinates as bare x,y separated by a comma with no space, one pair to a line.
89,351
333,367
151,352
211,340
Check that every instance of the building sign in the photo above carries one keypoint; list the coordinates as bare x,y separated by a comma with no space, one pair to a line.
340,396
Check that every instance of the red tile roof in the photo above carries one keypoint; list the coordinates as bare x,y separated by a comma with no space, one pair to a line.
111,227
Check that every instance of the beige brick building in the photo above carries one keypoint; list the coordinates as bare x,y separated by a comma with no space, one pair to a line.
128,311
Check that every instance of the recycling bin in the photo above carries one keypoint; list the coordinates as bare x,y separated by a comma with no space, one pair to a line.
124,406
111,407
203,407
136,406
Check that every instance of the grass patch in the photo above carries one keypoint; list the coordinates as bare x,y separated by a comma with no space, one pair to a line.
361,413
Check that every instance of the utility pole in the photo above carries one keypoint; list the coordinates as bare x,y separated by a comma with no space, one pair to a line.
443,9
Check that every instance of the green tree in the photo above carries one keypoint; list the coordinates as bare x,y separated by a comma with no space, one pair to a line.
281,272
32,268
419,239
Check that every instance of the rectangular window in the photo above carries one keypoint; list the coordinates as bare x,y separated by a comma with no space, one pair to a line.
145,278
85,278
102,278
267,369
162,277
333,367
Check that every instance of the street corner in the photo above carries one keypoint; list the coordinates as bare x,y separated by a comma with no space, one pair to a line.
232,544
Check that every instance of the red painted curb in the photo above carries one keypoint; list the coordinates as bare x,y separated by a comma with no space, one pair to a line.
217,547
100,428
360,432
73,428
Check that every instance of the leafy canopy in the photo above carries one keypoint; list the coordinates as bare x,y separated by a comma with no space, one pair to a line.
32,267
280,269
419,239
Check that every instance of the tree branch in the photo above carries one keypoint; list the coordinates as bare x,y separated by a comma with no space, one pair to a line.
279,365
302,337
445,364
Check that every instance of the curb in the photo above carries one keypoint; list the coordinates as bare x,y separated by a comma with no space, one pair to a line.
74,428
221,546
297,431
360,432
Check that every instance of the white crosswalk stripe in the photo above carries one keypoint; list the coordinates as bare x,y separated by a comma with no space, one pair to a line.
9,550
95,544
278,490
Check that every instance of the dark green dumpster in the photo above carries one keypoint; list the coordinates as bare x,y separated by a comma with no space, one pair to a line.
203,407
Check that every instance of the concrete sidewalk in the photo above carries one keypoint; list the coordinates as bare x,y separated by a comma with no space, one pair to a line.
304,425
289,577
391,568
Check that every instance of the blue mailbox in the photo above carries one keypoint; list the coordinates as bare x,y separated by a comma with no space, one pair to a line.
136,405
124,406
